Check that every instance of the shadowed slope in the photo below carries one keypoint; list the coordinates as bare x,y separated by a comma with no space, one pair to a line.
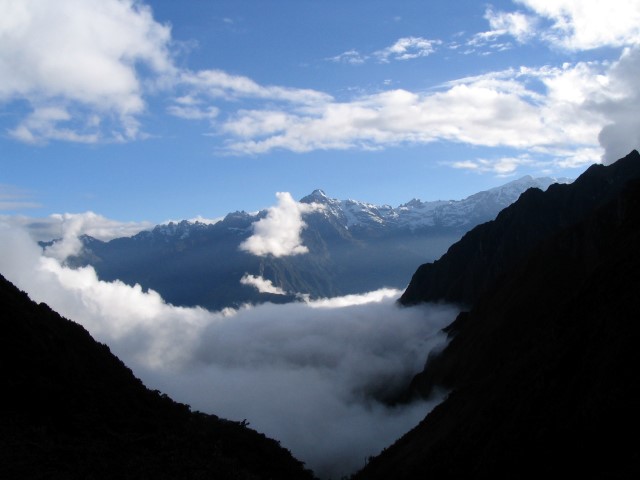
73,410
543,369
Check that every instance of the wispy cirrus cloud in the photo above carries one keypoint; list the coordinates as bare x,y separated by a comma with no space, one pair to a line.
352,57
222,85
503,166
407,48
514,24
13,198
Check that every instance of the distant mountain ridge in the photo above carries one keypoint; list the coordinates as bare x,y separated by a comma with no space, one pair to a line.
353,247
416,214
542,369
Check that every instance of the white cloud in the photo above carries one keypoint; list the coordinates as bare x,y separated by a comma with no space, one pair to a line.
621,134
281,367
220,84
193,112
588,24
43,124
493,110
407,48
352,57
77,63
516,24
502,166
278,234
261,284
557,114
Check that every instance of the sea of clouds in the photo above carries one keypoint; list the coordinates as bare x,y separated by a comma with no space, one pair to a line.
312,374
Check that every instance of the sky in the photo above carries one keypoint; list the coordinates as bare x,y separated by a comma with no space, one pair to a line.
142,112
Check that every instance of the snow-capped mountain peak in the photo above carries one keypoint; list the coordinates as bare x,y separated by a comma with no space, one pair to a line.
477,208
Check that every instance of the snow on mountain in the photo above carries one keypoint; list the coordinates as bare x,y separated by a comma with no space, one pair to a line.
357,216
416,214
353,247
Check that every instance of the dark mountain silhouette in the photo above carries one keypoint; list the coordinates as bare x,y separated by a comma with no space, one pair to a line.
354,247
72,410
472,265
542,371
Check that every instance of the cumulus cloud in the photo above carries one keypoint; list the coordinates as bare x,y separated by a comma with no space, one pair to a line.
77,63
515,24
263,285
278,234
588,24
622,132
309,374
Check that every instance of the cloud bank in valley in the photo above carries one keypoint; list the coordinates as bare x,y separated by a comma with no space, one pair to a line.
310,374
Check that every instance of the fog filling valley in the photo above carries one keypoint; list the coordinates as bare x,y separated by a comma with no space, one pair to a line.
310,374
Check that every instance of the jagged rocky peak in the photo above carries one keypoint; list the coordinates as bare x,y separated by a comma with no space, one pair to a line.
180,229
413,203
317,196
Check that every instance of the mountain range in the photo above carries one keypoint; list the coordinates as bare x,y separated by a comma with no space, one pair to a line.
353,247
540,367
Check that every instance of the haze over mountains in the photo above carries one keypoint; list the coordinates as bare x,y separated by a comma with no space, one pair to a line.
350,247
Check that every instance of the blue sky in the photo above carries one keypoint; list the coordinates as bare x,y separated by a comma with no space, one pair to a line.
157,110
